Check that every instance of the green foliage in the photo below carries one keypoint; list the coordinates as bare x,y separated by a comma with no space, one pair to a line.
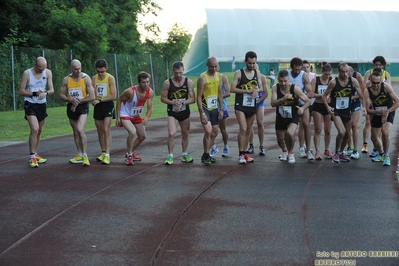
62,30
177,42
8,88
82,32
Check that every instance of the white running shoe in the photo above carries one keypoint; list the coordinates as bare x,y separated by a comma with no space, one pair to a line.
291,158
302,152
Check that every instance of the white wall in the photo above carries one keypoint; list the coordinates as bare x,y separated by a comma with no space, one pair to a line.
314,35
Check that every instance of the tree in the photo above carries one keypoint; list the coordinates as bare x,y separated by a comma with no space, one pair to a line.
177,43
111,25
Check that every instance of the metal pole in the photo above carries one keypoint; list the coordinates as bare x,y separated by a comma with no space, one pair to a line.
128,69
116,76
13,78
167,68
152,75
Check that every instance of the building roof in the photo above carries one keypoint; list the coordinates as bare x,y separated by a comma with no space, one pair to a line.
314,35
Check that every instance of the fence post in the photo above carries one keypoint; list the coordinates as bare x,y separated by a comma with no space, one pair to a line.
152,75
116,76
13,78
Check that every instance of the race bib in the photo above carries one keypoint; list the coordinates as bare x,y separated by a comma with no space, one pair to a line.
76,93
247,100
377,108
182,107
101,90
212,102
285,111
321,89
136,111
342,103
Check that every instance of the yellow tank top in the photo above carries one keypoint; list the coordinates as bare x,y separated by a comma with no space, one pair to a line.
210,92
101,87
383,75
77,89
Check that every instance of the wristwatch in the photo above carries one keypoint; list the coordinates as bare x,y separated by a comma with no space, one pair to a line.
100,100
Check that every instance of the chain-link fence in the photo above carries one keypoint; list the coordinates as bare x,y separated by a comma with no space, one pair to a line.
124,68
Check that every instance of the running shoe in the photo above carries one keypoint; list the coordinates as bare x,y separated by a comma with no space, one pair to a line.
364,149
248,159
76,159
262,151
343,158
186,158
241,159
283,156
335,158
101,157
302,152
213,159
250,149
291,158
85,160
310,156
328,154
169,160
206,160
355,155
40,159
377,158
136,158
374,153
129,159
33,162
225,151
214,151
106,159
348,151
318,156
387,160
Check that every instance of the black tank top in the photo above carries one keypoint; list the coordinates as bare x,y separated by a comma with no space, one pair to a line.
178,93
246,84
287,106
381,99
341,96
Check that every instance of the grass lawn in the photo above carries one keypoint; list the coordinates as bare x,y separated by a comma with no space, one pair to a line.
14,127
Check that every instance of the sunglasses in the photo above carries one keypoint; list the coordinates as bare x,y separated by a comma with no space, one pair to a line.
100,72
375,82
41,69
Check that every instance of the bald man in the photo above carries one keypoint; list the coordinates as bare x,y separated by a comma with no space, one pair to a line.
33,88
77,91
210,105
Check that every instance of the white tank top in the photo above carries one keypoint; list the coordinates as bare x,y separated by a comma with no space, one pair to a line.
36,84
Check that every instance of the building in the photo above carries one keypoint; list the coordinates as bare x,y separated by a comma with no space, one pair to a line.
355,37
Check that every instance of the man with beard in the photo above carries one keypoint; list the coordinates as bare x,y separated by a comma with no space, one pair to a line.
301,79
285,96
246,84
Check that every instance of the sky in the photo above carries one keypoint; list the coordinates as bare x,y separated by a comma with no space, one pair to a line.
191,14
